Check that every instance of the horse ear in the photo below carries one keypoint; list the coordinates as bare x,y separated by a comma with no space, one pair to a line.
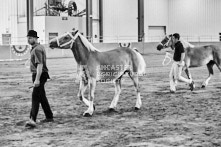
125,44
76,32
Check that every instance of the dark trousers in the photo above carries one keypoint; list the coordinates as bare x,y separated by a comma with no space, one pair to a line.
39,97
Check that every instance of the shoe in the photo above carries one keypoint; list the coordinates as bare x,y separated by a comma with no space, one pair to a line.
30,124
47,120
191,86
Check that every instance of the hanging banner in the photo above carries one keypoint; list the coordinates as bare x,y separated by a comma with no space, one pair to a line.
20,50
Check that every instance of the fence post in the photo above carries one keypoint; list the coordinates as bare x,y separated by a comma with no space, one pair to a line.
143,42
10,51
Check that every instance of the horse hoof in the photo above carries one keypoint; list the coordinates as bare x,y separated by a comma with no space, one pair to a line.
203,86
136,108
87,115
112,110
172,91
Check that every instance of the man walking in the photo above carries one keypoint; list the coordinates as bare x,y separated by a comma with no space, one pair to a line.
40,75
177,66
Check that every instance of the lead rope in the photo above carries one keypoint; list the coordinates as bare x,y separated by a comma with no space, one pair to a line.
27,63
167,57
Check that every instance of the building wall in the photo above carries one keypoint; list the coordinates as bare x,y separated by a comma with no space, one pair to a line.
8,15
39,26
22,32
120,20
53,25
50,24
194,18
155,19
21,8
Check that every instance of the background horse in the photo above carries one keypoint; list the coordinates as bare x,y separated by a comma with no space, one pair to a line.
107,66
196,56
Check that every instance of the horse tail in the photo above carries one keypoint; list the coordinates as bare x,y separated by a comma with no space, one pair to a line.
217,56
141,63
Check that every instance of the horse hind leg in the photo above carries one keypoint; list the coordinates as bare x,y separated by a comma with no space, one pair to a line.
210,69
188,73
114,102
136,85
218,66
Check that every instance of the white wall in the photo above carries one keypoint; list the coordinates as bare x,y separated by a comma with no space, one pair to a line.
40,27
38,4
120,20
49,24
194,18
22,32
21,8
8,15
155,14
53,24
96,25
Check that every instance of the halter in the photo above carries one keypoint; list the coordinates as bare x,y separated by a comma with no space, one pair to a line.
71,41
166,43
161,43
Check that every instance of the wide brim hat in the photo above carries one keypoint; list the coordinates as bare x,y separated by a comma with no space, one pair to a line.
32,33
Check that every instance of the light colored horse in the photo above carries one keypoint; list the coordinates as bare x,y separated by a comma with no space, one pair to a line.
95,65
196,56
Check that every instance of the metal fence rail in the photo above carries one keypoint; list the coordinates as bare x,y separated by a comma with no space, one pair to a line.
117,39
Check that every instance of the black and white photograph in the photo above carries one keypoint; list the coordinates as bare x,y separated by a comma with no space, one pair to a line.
110,73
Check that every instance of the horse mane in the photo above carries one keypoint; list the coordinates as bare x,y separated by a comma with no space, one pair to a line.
87,44
186,44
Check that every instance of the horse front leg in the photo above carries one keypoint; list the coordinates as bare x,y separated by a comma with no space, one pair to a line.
82,89
92,86
187,72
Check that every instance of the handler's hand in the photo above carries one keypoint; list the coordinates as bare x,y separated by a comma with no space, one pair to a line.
181,63
36,83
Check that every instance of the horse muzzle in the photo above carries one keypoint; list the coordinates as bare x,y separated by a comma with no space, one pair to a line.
159,47
53,44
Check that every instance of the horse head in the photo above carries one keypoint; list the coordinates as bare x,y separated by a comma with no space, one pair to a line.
64,41
166,42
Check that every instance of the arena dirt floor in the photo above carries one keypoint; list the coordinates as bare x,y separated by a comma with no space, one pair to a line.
182,119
